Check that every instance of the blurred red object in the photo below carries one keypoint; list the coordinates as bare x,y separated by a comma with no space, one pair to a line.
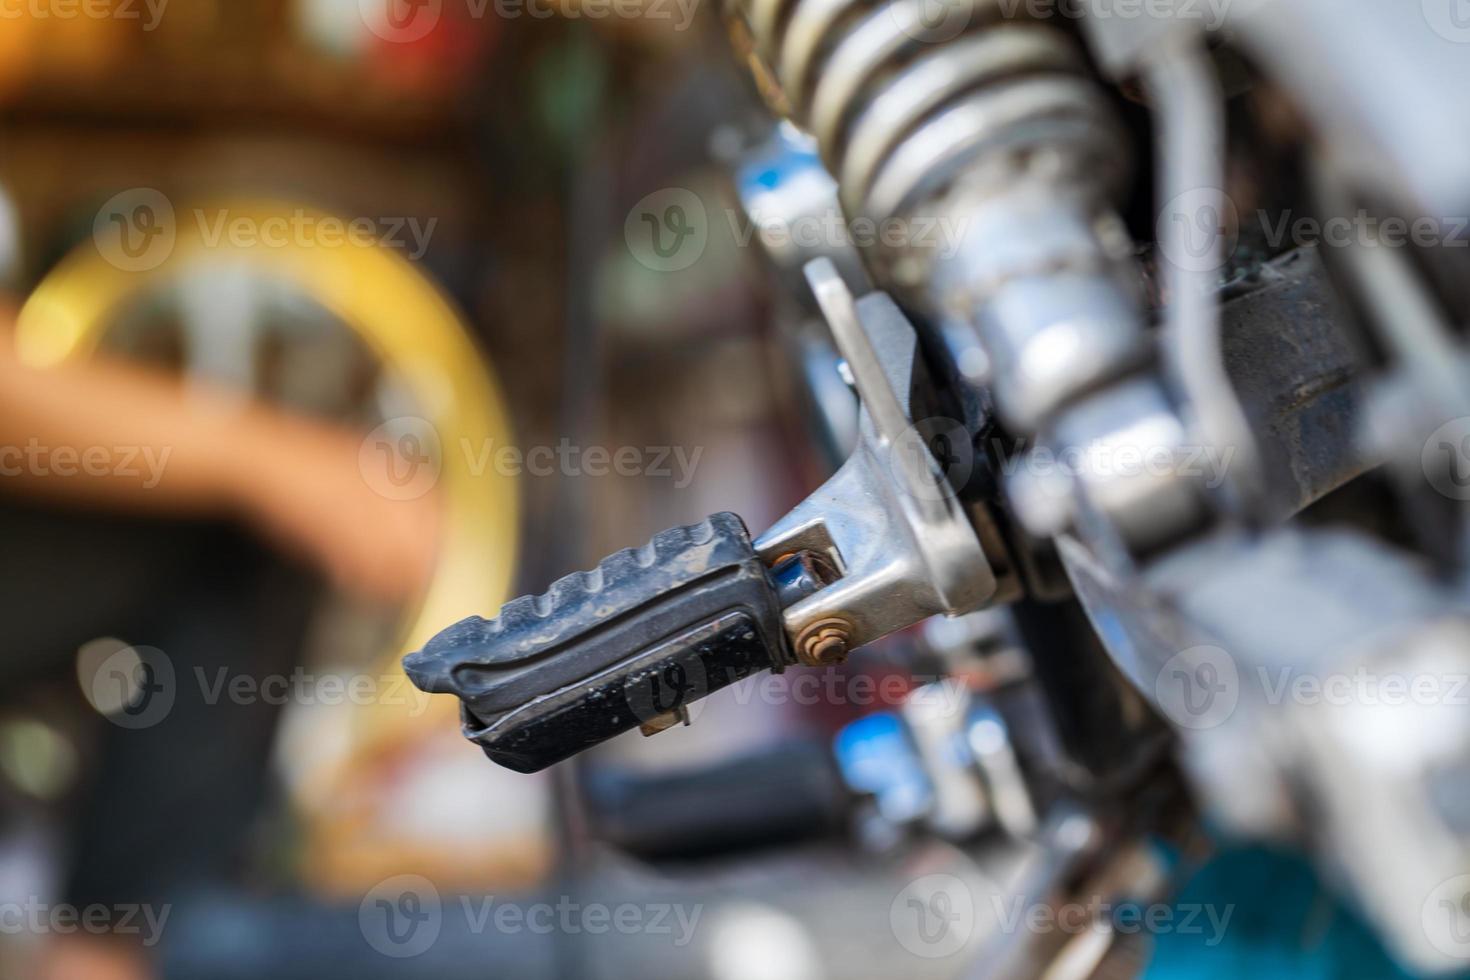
439,55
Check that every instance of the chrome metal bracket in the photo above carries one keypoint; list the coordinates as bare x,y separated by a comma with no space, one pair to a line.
889,520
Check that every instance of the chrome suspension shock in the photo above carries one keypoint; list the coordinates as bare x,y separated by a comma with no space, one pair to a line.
977,135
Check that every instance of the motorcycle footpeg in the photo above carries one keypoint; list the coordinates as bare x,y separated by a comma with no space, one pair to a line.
630,644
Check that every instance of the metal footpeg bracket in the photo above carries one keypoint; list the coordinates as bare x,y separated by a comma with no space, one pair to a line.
632,643
889,521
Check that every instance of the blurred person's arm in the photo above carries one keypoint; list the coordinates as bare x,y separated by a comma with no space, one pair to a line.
138,440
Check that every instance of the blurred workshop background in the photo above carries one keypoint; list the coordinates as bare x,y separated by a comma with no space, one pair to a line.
341,228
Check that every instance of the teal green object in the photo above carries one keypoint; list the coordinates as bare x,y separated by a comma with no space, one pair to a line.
1282,925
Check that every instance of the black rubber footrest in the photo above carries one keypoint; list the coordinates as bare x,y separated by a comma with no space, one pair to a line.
646,633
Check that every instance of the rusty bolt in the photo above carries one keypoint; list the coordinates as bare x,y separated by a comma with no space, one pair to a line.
824,643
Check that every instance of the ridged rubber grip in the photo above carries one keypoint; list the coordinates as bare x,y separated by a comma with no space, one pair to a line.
641,636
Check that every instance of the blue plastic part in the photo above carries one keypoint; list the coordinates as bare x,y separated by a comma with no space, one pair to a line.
876,756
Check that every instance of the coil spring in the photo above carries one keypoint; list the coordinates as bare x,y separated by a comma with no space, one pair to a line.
901,103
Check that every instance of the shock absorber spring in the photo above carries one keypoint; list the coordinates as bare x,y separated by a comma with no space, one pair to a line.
976,139
973,136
